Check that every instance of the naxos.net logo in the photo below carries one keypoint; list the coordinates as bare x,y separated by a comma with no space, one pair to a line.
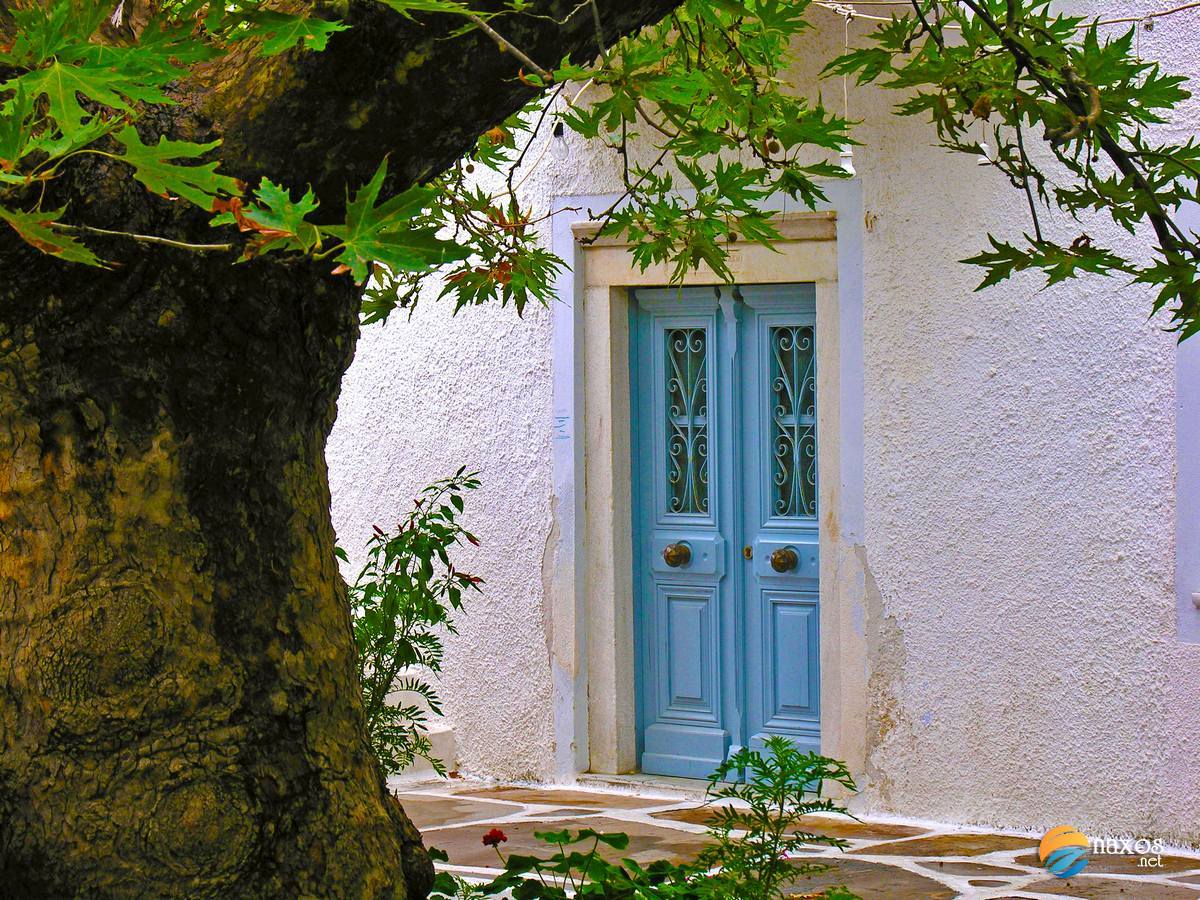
1064,851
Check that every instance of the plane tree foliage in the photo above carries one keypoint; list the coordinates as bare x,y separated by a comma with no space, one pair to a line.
707,89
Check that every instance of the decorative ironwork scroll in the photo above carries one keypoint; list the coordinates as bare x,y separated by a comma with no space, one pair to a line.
687,420
793,404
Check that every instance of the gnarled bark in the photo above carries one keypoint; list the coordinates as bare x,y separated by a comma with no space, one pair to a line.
179,712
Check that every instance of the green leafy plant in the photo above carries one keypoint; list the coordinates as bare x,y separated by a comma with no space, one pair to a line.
756,832
401,605
577,868
759,827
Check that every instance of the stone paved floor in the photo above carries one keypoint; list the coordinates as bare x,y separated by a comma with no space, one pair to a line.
886,860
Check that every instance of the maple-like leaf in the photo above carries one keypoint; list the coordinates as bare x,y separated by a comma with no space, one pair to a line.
386,233
275,216
61,84
154,166
35,229
278,213
16,131
407,7
281,31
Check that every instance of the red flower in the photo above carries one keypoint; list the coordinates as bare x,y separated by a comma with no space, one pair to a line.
494,838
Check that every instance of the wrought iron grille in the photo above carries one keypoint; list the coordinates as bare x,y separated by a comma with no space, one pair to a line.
687,420
793,401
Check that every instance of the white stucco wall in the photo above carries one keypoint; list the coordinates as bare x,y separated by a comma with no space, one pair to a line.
1019,503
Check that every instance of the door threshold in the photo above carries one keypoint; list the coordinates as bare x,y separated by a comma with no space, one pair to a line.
686,788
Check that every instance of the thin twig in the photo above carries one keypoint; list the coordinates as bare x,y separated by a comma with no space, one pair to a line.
563,21
507,46
936,34
1150,15
600,40
1025,166
1170,235
145,238
532,136
628,190
850,7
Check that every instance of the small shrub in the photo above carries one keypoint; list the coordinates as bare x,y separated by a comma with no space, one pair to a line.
401,604
754,842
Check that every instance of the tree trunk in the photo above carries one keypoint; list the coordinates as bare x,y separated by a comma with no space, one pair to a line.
179,707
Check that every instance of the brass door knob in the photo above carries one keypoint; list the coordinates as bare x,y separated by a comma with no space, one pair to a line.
676,555
784,559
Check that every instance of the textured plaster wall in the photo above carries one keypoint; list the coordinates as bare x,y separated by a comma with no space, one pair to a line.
1019,503
422,398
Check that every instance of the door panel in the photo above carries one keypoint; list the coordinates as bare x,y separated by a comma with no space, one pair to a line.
681,467
779,375
690,690
724,458
791,639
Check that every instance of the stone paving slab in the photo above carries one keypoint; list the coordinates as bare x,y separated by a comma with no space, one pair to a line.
1110,889
578,799
847,829
959,844
1127,865
431,812
970,870
888,860
874,881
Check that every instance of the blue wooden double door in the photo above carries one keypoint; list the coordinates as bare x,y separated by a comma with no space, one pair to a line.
725,522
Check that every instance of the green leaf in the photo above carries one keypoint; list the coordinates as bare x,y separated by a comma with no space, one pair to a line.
407,7
49,30
385,233
618,840
155,167
282,219
867,63
15,128
35,229
61,84
281,31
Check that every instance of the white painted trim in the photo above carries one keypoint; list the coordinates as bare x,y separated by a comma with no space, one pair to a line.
1187,477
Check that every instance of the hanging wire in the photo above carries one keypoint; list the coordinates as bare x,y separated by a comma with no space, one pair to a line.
846,156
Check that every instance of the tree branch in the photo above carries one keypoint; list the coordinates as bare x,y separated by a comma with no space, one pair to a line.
1170,237
325,119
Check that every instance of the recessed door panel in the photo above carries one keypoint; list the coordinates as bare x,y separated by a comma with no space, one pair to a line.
791,638
691,652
